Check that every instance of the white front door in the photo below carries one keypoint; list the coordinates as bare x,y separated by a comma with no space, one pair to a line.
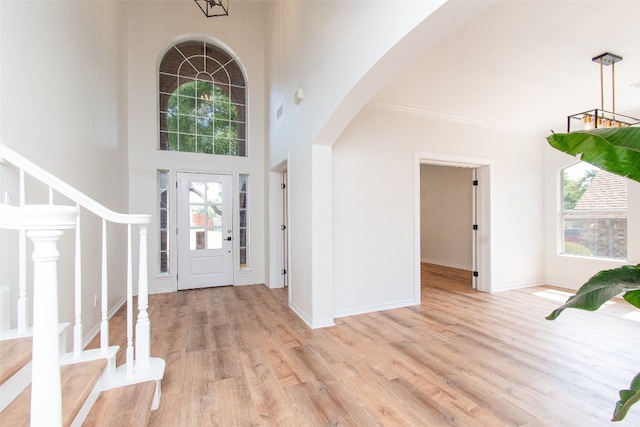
205,245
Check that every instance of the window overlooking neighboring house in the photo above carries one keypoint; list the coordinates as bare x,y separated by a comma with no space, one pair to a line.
202,101
594,212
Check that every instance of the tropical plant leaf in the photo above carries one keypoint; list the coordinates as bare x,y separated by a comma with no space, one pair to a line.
603,286
616,150
627,399
633,298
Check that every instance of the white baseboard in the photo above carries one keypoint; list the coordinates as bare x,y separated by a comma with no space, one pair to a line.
513,286
447,264
376,307
96,329
313,324
162,290
248,283
567,286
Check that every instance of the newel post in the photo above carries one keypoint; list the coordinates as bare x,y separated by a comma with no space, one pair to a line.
43,225
46,396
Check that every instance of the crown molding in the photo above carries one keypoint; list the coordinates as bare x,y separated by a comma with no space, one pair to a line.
420,112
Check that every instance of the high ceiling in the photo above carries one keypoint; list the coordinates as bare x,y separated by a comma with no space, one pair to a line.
526,65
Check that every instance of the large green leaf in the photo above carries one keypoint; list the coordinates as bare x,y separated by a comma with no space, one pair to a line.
633,298
615,150
627,399
601,288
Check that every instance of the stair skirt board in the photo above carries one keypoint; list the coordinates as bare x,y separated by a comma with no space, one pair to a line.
154,372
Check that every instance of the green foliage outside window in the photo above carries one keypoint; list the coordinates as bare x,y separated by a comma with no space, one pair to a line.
202,119
574,189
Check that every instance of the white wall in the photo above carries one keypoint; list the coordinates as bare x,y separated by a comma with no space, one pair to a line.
373,220
446,215
570,271
64,106
318,46
152,30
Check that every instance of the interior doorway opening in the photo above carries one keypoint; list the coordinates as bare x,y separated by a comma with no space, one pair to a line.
284,186
279,227
479,223
447,219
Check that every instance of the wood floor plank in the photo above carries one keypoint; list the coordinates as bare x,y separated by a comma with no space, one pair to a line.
14,354
123,406
77,382
238,356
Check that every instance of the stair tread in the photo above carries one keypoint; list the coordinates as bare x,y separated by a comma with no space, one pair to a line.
77,381
14,354
123,406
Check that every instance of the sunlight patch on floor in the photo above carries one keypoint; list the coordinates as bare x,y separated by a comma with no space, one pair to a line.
562,296
553,295
634,315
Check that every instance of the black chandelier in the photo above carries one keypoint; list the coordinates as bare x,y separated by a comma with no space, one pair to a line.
599,117
213,7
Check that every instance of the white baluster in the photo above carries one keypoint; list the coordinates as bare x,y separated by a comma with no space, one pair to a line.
143,327
23,301
129,353
104,325
5,309
77,328
46,400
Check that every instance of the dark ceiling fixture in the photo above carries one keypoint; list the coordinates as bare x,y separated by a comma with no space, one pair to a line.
599,117
213,7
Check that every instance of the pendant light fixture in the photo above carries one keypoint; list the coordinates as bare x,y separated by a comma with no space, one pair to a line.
599,117
213,7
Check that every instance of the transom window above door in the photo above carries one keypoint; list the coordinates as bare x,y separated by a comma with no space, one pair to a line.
202,100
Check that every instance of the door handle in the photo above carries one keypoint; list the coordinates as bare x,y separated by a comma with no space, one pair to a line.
228,238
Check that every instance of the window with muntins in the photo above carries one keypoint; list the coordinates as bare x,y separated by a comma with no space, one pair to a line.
243,222
202,101
594,212
163,216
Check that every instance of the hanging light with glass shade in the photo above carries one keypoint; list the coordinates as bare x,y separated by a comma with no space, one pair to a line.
599,117
213,7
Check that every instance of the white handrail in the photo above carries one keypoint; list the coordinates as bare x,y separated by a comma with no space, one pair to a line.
68,191
44,224
48,220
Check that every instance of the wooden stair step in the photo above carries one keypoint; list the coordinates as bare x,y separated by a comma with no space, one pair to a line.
77,381
123,406
14,355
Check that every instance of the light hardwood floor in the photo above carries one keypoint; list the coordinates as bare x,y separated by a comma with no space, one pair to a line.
237,356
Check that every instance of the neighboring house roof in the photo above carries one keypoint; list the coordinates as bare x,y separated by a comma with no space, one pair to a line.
606,191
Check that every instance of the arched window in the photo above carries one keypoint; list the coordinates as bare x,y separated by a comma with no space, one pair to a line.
202,100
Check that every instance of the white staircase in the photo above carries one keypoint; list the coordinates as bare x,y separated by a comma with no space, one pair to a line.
48,378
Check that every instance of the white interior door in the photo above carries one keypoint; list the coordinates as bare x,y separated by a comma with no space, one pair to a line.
205,232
